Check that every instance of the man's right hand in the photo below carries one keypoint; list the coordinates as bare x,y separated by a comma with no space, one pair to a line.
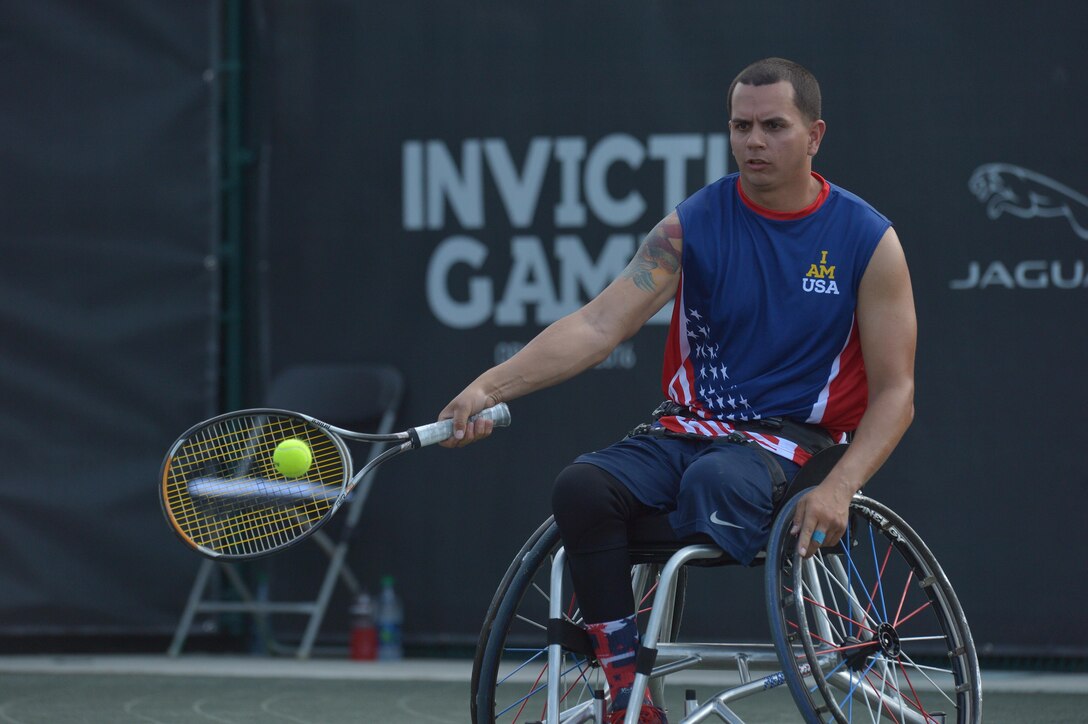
466,404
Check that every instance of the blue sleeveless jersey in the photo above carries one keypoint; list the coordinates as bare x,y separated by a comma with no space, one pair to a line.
763,324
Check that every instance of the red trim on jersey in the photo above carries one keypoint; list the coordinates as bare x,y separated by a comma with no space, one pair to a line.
674,357
848,393
677,374
825,189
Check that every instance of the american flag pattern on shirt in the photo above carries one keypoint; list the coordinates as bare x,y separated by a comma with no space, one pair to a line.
763,323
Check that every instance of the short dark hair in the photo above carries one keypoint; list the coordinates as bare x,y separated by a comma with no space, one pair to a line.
806,89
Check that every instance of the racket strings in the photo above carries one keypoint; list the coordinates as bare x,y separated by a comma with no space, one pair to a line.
225,494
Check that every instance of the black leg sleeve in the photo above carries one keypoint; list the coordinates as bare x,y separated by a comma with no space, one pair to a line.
592,510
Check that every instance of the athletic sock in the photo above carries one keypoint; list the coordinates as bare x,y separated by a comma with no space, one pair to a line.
616,645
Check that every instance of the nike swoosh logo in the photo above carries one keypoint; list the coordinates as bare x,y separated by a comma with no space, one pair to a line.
718,521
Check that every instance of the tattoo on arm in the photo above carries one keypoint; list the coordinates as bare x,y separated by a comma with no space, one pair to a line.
656,252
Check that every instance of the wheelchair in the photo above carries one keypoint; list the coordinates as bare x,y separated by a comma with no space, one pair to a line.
867,631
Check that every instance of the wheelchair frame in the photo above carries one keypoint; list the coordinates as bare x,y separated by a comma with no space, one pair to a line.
838,646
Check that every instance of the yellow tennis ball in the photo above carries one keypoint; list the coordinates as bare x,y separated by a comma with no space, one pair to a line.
292,458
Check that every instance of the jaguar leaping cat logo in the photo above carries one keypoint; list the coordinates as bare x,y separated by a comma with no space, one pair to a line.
1005,188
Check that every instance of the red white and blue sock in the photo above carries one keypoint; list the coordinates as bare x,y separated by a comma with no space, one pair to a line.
616,644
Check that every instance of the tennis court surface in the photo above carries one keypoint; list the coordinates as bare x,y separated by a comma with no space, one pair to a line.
243,690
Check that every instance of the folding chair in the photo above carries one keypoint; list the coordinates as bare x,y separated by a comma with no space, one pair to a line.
355,396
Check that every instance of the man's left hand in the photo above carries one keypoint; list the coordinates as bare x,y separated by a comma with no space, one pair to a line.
822,513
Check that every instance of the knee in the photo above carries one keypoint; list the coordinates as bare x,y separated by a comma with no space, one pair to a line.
575,489
589,508
585,498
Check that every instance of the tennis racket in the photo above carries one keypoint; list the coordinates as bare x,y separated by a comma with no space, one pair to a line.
225,497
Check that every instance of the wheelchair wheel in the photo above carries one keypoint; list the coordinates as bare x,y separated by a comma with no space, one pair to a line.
509,675
870,630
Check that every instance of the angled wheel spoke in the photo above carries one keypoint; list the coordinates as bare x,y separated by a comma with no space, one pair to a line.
879,572
903,598
861,676
884,702
855,573
914,613
837,614
822,567
922,670
531,622
531,659
916,700
914,703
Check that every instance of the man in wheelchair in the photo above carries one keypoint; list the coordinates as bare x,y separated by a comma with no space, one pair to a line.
793,329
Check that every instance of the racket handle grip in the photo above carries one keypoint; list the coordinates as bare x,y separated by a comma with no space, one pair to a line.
443,430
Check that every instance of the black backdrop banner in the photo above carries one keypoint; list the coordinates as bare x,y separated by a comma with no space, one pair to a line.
442,180
453,179
107,307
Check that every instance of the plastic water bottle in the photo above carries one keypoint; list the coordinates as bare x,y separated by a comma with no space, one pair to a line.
390,621
364,631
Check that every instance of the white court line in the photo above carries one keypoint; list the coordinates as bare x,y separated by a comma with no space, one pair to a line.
438,670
